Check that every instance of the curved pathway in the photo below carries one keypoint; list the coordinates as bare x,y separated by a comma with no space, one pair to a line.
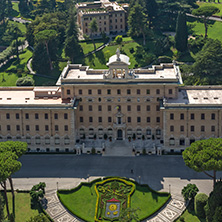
168,213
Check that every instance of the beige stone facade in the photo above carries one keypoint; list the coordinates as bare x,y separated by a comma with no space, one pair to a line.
147,108
110,17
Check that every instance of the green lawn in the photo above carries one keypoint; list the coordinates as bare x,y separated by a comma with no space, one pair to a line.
83,201
214,28
89,47
190,216
21,26
15,8
211,4
23,209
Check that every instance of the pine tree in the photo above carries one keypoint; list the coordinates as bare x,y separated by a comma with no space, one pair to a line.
181,33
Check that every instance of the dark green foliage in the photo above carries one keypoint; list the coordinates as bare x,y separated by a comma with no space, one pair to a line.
2,204
195,45
93,28
200,201
162,45
214,203
152,10
93,151
39,218
25,81
209,59
181,33
205,155
17,147
218,215
119,39
37,192
164,59
129,215
189,191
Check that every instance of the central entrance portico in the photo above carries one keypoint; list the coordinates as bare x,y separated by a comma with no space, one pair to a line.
119,134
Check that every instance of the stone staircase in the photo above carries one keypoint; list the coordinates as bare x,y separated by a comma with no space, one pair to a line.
118,148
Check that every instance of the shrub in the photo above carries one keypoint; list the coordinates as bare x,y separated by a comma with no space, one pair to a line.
132,50
182,219
25,81
189,191
200,201
119,39
93,151
144,151
164,59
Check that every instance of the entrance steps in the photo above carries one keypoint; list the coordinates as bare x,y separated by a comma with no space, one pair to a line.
118,148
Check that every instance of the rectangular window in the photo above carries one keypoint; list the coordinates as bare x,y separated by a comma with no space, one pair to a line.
46,116
170,91
8,127
100,108
147,91
81,119
147,108
90,119
182,142
100,119
109,108
138,108
138,119
129,119
17,115
56,128
26,116
212,128
109,119
99,91
80,108
138,91
192,128
36,127
158,119
192,116
128,91
148,119
181,128
17,127
108,91
90,108
46,128
36,116
181,116
171,116
171,128
129,108
202,116
202,128
27,127
65,115
68,91
66,128
55,115
89,91
212,116
7,116
118,91
80,92
157,108
157,91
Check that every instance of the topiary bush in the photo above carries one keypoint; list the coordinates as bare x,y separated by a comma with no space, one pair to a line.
25,81
200,201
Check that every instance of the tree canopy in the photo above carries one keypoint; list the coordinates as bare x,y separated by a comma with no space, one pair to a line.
205,155
205,12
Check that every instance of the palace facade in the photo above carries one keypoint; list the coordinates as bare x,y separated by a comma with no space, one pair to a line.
146,109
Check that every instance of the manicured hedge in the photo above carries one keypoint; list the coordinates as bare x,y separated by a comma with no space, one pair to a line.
200,201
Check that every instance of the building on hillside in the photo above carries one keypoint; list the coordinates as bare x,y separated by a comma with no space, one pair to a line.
141,109
110,17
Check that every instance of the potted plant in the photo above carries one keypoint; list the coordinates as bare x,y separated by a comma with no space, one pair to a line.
134,136
129,138
105,136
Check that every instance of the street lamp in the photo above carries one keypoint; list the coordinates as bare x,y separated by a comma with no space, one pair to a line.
169,188
139,179
57,185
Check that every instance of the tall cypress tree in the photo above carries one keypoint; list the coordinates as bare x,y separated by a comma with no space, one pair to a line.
181,33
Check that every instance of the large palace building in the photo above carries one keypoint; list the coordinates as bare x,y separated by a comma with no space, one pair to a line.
110,17
145,110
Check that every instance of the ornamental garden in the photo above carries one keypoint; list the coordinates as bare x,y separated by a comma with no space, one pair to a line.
110,198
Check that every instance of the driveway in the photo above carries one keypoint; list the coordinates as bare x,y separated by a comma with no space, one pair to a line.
163,173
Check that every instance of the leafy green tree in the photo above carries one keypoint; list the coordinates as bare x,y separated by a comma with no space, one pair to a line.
152,10
37,192
209,60
45,37
214,204
23,7
5,10
200,201
93,28
119,39
137,22
39,218
205,155
2,205
181,33
129,214
189,191
205,12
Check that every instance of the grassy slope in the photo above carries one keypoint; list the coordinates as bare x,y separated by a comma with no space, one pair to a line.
82,202
23,209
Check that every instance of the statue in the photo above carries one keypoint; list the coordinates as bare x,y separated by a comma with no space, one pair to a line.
118,54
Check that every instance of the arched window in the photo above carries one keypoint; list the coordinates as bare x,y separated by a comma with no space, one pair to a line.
57,140
148,132
100,131
47,140
28,140
66,140
37,140
172,141
110,132
91,133
129,132
158,132
139,133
